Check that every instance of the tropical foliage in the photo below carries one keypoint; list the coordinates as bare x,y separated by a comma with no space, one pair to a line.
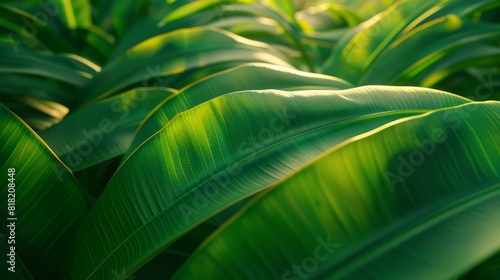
250,139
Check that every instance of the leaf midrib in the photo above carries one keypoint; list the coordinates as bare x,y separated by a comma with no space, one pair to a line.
400,234
354,119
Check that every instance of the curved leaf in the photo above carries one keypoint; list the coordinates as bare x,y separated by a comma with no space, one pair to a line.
443,65
125,13
255,76
18,270
13,86
24,29
75,13
50,204
218,153
360,48
393,212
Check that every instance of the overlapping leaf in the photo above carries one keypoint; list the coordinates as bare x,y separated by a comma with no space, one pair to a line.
254,76
393,213
218,153
174,53
102,130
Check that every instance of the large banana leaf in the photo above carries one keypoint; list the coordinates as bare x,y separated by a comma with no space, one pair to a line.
415,199
19,271
174,53
102,130
254,76
50,204
218,153
368,44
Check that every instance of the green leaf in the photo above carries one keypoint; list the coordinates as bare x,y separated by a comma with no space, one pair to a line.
13,86
190,9
49,203
443,65
168,261
442,34
291,28
95,44
218,153
39,114
75,13
286,7
174,53
254,76
464,9
27,30
126,12
417,198
399,31
266,31
477,83
102,130
326,17
67,68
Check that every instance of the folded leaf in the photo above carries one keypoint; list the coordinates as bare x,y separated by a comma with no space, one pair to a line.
255,76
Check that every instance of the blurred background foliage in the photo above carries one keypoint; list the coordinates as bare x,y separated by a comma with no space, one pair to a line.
448,45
